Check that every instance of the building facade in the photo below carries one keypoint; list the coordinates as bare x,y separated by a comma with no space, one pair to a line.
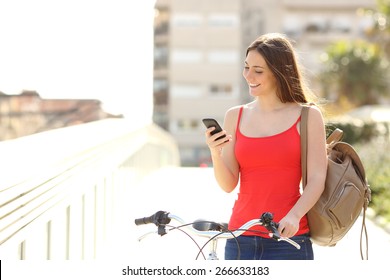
200,47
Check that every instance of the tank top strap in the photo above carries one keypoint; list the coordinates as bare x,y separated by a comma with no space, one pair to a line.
298,120
239,118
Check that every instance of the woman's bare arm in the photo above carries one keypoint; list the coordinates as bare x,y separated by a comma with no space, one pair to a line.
225,165
316,173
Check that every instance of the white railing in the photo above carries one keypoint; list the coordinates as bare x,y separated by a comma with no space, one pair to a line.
62,192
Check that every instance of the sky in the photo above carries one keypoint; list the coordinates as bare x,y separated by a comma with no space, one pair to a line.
83,49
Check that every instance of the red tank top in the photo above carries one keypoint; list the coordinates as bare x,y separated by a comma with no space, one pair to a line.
270,174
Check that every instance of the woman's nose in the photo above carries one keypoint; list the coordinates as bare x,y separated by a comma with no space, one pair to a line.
247,75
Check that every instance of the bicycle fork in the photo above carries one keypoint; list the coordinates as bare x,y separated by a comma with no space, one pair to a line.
213,250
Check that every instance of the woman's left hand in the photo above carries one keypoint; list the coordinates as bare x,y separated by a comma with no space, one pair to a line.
288,226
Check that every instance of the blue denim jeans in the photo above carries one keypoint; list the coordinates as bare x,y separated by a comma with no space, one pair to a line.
259,248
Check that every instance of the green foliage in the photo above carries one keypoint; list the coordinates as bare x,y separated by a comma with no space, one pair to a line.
382,15
380,30
359,132
357,72
376,159
357,69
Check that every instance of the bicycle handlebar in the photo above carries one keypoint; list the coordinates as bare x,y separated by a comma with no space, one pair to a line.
162,218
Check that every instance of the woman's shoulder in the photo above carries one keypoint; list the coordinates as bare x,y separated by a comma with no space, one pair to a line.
315,115
232,115
313,109
235,110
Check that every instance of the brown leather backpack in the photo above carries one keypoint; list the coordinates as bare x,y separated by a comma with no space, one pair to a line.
346,191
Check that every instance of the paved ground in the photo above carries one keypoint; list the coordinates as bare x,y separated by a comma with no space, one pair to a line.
192,193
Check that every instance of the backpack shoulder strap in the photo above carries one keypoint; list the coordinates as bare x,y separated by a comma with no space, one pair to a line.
303,132
334,137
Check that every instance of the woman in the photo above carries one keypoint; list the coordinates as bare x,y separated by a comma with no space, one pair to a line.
261,151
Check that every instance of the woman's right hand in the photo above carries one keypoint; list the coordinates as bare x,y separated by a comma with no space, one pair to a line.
214,145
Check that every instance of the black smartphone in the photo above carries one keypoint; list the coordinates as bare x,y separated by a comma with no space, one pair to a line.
208,122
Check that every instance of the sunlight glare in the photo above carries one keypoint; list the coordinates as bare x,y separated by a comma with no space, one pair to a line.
80,49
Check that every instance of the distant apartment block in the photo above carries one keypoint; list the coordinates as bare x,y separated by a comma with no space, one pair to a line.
28,113
199,48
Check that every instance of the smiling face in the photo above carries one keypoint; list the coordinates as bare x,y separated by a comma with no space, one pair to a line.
260,79
275,56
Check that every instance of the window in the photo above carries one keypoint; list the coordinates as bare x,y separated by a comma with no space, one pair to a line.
186,56
341,24
221,90
223,56
316,24
160,85
292,26
160,56
223,20
160,98
187,20
160,52
192,91
184,125
161,21
187,124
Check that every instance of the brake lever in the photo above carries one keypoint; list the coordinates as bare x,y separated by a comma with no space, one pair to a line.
146,235
267,221
292,242
272,227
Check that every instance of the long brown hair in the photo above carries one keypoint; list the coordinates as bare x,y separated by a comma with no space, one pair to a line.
279,55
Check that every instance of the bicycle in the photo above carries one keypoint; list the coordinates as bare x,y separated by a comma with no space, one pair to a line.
211,230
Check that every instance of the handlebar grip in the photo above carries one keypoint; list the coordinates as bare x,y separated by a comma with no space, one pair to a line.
144,221
160,217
